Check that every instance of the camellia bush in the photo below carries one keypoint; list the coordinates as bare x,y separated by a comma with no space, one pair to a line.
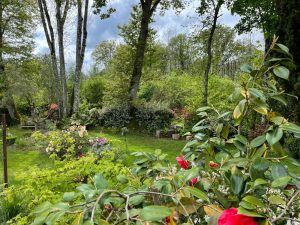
224,177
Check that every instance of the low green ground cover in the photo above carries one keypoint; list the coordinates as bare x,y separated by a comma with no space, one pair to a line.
24,153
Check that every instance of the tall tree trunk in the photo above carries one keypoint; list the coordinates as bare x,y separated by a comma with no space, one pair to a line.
148,8
80,51
209,49
8,100
62,65
289,34
49,33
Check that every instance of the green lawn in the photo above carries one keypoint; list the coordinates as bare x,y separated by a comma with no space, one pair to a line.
23,155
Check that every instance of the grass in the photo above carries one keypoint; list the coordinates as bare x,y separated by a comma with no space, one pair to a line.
23,155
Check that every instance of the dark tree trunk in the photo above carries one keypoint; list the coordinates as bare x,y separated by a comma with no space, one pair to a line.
148,8
209,49
80,51
8,100
49,33
60,21
289,34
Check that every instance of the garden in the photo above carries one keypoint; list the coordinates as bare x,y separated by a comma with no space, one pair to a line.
202,128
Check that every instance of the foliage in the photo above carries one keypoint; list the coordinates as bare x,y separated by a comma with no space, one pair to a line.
153,118
48,184
98,145
221,170
65,143
93,91
116,117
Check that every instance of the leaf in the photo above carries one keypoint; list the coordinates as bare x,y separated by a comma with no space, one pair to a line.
237,184
254,201
292,128
283,48
190,206
257,94
274,136
100,182
259,181
53,217
154,213
136,200
282,72
122,179
69,196
280,99
258,168
278,170
246,68
211,210
203,109
239,109
281,182
248,213
276,200
261,109
258,141
197,193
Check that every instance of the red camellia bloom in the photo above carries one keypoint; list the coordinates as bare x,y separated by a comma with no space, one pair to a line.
182,162
231,217
193,181
213,165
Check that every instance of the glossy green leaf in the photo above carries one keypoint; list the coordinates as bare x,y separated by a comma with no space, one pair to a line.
197,193
276,200
248,213
136,200
278,170
69,196
100,182
274,136
281,182
254,201
154,213
259,181
246,68
258,141
282,72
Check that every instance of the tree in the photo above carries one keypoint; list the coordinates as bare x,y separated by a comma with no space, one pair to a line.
16,20
80,50
288,32
148,8
104,53
210,8
257,14
180,52
61,10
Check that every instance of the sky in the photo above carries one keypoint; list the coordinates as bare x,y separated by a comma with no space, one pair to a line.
167,25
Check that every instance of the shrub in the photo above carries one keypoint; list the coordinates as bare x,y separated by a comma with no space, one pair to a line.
151,119
43,185
225,178
114,117
63,144
93,91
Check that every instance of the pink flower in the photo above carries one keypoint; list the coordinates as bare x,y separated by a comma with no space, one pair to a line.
54,106
194,181
231,217
182,162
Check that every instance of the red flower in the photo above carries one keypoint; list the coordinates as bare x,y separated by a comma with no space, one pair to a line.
193,181
54,106
182,162
213,165
231,217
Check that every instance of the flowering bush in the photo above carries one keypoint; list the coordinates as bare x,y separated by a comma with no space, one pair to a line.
225,178
98,145
63,144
